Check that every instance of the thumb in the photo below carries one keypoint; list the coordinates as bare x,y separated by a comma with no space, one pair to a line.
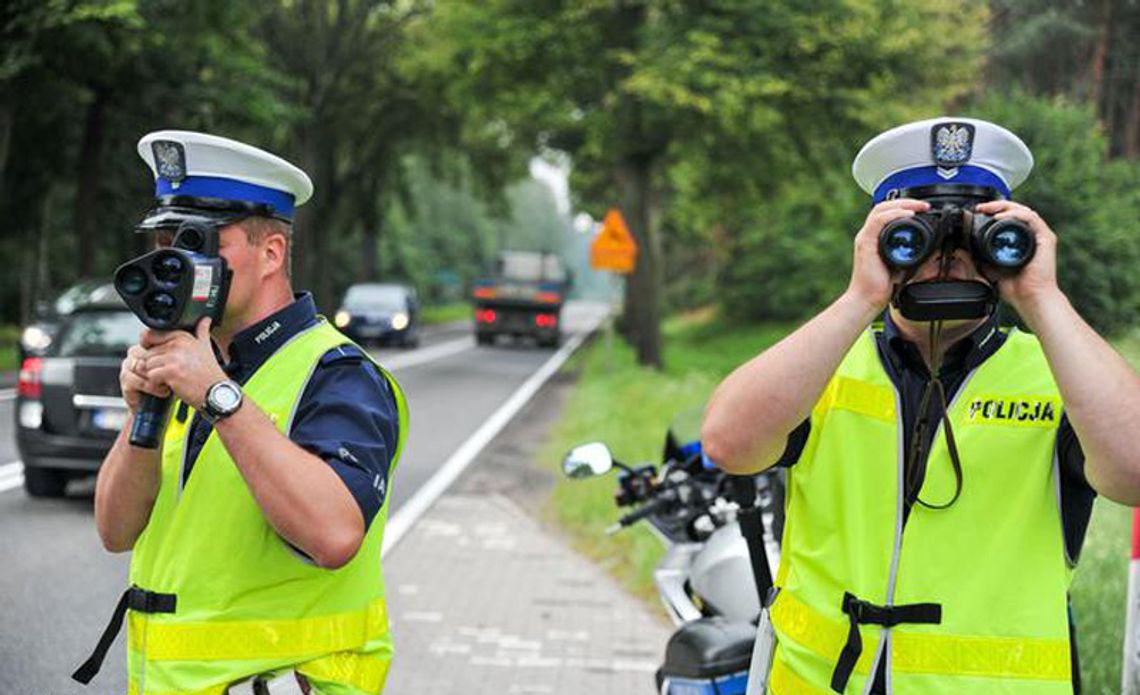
202,331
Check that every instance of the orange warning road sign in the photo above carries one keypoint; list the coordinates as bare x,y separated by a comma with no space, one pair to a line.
614,248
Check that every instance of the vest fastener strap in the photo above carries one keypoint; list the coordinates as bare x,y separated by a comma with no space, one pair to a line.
137,599
865,613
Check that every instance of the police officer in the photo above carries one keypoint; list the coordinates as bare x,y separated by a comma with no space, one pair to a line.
257,526
930,549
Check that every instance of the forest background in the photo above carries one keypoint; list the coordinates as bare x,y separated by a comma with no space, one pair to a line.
724,130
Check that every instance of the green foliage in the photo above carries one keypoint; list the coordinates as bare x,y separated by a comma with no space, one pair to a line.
1091,204
629,408
794,255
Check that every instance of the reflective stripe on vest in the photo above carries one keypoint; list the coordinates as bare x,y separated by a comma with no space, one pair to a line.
994,561
248,603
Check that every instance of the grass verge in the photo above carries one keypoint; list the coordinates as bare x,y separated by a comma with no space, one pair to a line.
9,341
445,313
629,408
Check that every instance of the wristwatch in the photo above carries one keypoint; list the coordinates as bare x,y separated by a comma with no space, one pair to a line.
222,400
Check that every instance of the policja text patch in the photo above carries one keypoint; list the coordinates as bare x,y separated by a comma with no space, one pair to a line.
1019,411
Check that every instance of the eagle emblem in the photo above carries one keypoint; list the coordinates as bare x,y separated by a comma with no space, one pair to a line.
169,160
951,144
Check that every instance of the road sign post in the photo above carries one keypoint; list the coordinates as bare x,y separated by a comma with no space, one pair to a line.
615,251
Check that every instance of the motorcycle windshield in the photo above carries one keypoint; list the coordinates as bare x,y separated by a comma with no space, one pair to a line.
683,441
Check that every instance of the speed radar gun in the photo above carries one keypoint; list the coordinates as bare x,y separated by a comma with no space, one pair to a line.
172,289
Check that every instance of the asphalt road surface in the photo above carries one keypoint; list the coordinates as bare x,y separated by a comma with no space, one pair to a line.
58,586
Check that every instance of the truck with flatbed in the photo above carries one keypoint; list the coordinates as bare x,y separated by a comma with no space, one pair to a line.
521,298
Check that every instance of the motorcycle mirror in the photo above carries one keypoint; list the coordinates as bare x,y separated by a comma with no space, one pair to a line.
587,460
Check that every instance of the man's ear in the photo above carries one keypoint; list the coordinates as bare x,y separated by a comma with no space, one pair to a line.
274,253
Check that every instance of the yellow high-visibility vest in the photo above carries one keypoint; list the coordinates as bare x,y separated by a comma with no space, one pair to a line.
247,603
994,562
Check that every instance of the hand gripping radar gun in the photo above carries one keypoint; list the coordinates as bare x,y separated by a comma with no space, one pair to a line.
172,289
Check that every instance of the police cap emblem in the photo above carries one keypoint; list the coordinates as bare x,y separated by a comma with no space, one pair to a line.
951,144
169,160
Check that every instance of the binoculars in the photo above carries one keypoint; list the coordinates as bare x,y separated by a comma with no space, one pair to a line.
1006,244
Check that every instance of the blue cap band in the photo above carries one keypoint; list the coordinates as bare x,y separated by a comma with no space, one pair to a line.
929,176
228,189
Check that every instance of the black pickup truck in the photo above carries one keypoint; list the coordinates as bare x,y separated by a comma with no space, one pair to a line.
522,298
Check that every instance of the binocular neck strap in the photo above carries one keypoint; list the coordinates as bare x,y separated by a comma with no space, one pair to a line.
913,481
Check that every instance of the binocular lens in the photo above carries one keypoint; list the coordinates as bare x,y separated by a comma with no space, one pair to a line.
168,269
1010,245
160,306
903,245
132,280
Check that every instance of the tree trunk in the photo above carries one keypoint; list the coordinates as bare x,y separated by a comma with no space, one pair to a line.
1132,125
85,218
643,287
5,134
325,179
373,219
1100,55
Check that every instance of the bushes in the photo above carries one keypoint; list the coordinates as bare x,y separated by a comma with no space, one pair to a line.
791,255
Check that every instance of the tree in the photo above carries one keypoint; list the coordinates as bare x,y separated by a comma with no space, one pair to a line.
639,93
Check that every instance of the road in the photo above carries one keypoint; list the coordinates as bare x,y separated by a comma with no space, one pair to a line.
58,586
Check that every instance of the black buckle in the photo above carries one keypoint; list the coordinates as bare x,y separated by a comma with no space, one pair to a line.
866,613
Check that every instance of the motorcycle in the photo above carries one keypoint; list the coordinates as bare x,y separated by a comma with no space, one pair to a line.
722,535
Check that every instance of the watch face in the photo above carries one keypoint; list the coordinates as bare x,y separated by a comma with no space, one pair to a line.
225,397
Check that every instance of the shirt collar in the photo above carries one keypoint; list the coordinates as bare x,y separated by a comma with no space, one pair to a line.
253,345
968,352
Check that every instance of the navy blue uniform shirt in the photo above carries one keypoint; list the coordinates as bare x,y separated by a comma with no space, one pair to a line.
347,414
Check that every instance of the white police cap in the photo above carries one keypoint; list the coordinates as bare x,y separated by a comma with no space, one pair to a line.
948,150
196,165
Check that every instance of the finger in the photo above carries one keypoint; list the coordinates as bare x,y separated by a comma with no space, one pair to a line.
877,221
176,343
155,388
998,206
904,203
131,382
152,338
202,330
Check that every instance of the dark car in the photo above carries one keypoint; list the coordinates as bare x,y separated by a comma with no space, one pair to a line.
38,335
380,313
68,404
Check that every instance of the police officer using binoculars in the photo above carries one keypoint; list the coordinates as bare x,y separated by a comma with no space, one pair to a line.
941,469
251,481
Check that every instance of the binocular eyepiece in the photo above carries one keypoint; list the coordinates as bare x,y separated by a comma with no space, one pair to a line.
1003,244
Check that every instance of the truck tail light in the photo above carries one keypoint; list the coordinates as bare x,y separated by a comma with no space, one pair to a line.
485,315
545,320
31,378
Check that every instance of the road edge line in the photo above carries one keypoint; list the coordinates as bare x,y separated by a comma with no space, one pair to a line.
423,499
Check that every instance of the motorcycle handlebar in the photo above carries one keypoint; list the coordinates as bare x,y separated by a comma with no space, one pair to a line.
666,498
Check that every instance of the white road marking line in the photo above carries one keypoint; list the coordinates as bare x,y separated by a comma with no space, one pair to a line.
7,394
428,354
10,477
407,515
